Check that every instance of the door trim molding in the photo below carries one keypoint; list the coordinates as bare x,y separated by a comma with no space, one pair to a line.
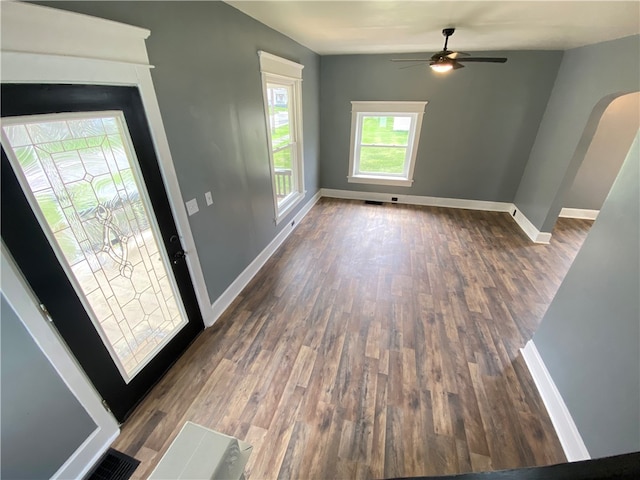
22,300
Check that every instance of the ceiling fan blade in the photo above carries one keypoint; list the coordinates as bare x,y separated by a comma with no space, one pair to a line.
409,59
457,54
483,59
410,66
457,65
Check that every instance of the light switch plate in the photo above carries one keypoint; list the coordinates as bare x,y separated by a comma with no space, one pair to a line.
208,198
192,206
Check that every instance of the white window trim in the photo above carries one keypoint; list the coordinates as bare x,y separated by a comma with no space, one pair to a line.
361,109
275,69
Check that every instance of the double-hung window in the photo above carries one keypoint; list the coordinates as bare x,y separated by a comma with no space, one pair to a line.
384,142
282,90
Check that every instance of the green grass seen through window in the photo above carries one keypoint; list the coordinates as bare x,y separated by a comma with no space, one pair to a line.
282,159
280,137
380,131
382,160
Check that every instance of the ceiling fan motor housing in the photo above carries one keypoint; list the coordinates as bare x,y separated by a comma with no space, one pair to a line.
447,32
446,59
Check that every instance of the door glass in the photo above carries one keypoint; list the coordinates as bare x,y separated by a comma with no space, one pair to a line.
81,176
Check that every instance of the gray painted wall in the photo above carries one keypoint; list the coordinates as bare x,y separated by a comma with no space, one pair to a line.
42,422
589,78
477,132
207,79
479,128
589,336
608,149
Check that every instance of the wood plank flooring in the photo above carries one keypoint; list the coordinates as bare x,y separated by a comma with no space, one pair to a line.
379,341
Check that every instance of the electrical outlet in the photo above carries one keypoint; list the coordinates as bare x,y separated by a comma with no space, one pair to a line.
208,198
192,206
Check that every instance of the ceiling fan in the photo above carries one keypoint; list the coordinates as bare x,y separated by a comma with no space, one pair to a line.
447,60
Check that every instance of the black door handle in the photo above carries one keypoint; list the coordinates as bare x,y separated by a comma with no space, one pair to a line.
179,255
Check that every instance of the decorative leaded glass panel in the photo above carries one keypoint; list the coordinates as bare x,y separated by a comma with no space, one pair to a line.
80,174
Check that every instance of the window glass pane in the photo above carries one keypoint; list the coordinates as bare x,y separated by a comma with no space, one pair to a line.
282,158
283,178
280,136
279,118
382,160
389,130
279,101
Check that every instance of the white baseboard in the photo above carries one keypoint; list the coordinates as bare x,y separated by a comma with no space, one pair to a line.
80,463
418,200
568,434
579,213
523,222
529,228
222,303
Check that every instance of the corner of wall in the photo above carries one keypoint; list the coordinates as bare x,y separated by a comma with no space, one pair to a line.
529,228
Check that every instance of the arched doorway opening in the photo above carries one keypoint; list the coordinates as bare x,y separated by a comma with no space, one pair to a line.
588,183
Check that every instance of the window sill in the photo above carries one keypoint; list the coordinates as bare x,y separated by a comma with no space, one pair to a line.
374,180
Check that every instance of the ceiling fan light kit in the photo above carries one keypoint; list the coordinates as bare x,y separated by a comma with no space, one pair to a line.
446,60
441,66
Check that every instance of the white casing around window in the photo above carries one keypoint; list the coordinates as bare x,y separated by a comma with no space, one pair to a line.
415,110
270,63
280,71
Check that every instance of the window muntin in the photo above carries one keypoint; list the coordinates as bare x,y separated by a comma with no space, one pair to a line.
282,88
384,137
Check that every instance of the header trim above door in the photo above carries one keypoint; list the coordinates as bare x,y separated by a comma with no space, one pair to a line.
58,32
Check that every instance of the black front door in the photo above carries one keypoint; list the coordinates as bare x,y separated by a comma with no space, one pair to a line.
86,217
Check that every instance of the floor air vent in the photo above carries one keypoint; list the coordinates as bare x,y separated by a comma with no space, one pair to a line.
114,465
372,202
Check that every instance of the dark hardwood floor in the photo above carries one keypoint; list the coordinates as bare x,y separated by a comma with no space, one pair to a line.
379,341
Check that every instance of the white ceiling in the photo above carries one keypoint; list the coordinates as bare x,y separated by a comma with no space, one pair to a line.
339,27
